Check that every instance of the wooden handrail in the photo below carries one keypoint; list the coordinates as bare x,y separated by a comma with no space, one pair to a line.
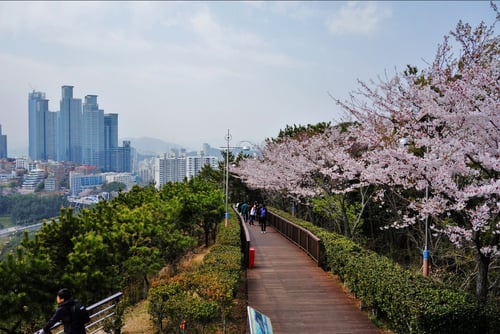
303,238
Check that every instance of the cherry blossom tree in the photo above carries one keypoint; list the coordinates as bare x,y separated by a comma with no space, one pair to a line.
448,118
319,168
434,135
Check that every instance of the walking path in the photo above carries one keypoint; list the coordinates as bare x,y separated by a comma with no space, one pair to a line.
298,296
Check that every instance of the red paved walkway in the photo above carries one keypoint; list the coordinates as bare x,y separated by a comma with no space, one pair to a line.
299,297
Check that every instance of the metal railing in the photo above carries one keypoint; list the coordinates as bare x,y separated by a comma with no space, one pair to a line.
244,238
303,238
101,313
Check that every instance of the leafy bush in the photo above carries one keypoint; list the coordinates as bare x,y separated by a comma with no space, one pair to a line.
197,299
409,303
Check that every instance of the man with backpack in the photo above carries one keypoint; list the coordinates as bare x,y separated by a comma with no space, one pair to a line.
70,312
263,218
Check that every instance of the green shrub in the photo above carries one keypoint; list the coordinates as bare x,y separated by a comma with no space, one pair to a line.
407,302
198,298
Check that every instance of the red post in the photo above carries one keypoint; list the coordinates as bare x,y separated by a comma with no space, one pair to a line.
251,258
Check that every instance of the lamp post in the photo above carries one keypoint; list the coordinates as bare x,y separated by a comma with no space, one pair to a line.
228,139
425,253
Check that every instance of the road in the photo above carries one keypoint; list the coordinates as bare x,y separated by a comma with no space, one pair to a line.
16,229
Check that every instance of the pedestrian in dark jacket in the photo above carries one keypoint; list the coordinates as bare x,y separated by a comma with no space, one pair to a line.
244,211
64,314
263,218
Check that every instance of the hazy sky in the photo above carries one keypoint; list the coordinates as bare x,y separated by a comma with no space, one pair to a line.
185,72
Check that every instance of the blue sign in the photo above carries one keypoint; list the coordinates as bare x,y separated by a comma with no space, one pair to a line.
259,322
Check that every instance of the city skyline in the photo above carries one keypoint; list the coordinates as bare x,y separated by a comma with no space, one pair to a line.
88,122
78,133
185,72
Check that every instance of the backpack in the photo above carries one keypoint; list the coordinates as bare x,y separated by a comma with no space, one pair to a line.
263,212
79,312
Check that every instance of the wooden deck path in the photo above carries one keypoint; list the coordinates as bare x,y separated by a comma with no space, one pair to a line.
297,295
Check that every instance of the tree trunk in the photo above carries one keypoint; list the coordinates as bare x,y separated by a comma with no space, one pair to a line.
145,287
482,277
207,234
345,218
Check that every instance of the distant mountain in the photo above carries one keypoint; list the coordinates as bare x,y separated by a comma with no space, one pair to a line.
151,146
145,146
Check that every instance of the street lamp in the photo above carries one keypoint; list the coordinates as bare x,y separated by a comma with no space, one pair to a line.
425,253
226,171
228,139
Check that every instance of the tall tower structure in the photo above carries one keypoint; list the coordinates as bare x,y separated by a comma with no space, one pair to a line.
3,145
51,135
110,140
93,133
122,158
38,108
69,125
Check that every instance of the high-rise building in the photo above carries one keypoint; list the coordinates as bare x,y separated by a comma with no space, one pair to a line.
170,168
194,164
38,108
92,133
121,158
51,135
69,127
78,133
175,167
110,140
146,170
3,145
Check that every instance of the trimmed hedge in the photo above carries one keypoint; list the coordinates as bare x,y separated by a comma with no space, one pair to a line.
407,302
200,300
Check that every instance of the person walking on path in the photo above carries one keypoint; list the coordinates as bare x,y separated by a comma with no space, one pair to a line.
253,212
64,313
244,211
263,218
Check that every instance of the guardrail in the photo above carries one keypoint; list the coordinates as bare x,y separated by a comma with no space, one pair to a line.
101,313
244,238
303,238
